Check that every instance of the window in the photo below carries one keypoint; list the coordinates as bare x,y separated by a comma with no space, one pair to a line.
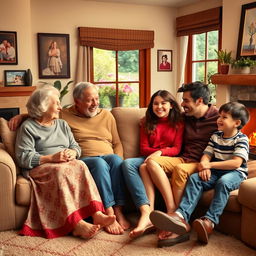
120,77
202,60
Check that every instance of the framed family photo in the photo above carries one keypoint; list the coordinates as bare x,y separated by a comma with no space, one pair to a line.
15,77
246,46
8,48
53,55
164,60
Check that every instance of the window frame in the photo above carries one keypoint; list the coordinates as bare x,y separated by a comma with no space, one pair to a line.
189,60
144,76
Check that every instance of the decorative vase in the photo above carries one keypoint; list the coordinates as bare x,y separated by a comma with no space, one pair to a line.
29,78
245,70
224,68
112,100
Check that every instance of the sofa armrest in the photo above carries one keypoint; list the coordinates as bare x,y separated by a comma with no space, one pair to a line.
7,190
247,192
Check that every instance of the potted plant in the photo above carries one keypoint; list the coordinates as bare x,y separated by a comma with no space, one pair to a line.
57,84
225,59
243,65
110,92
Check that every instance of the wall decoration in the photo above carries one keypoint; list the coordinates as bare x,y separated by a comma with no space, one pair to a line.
164,60
247,33
53,55
15,77
8,48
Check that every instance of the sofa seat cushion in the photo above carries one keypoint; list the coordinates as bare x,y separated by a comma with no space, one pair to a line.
23,191
233,205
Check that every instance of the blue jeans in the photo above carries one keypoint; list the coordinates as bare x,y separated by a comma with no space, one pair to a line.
107,173
223,183
133,180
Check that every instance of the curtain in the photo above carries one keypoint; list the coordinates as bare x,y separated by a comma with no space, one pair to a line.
82,65
183,43
199,22
116,39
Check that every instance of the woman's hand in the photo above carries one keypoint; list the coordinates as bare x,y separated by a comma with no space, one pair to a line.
70,154
156,153
15,122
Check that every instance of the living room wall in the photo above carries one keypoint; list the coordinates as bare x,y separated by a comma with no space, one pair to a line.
29,17
64,16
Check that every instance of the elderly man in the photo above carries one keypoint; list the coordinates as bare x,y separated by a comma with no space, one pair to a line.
96,133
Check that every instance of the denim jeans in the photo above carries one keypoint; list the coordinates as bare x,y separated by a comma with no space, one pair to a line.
133,180
223,183
107,173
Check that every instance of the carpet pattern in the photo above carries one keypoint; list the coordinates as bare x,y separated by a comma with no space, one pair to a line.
104,244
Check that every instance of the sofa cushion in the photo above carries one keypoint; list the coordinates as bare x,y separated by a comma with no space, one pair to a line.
233,205
23,191
127,120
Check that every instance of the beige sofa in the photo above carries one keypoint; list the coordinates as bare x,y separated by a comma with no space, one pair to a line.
238,219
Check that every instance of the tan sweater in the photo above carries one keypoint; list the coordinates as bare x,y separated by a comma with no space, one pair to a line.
95,135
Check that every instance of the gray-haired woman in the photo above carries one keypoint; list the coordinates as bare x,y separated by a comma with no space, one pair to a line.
63,190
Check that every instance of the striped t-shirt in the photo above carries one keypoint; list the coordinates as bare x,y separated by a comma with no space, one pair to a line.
221,149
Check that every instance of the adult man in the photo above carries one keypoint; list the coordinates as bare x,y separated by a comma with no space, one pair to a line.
96,133
200,122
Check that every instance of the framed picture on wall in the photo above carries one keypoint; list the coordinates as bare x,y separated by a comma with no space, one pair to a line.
8,48
246,46
164,60
15,77
53,55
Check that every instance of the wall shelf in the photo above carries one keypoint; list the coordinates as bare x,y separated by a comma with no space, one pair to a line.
234,79
15,91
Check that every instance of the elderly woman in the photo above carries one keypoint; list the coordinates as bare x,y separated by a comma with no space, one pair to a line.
63,190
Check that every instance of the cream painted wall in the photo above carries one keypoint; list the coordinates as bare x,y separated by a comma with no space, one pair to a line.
65,16
15,16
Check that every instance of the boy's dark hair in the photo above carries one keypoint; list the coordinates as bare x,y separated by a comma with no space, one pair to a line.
197,90
238,112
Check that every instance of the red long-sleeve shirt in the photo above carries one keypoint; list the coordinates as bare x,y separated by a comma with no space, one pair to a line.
164,138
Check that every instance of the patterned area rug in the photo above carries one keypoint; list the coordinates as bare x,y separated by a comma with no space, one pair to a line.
118,245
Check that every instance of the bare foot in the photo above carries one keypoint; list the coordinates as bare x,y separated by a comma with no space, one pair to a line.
124,223
85,230
144,224
102,219
114,229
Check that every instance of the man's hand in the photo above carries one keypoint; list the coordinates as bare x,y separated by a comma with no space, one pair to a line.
156,153
204,165
205,174
15,122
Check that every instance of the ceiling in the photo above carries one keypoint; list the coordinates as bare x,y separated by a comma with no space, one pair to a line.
167,3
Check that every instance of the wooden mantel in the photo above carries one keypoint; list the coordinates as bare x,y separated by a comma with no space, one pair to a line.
234,79
16,91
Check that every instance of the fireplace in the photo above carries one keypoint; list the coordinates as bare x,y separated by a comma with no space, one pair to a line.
8,113
250,128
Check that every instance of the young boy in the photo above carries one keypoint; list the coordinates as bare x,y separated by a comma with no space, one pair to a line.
222,167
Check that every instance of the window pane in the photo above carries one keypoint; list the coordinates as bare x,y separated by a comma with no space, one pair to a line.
107,93
129,95
212,44
104,65
198,71
128,65
198,51
212,68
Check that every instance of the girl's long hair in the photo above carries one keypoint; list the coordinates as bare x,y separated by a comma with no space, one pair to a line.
175,117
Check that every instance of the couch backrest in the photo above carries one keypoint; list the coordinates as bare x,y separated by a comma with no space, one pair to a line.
127,120
8,138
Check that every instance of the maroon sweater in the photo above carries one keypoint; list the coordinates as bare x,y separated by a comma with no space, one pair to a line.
197,134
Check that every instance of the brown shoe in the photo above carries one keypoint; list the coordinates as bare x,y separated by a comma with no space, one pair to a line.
203,228
169,222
